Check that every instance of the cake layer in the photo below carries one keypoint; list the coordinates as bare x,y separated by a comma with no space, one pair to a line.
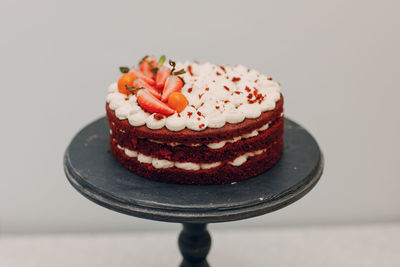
187,136
221,174
163,163
202,153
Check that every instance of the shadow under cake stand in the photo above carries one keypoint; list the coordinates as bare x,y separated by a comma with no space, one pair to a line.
93,171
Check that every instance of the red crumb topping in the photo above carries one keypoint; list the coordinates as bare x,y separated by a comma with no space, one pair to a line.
257,97
126,98
199,113
190,70
159,116
226,101
207,89
269,78
247,89
201,125
198,118
190,90
235,79
256,80
192,106
237,92
200,95
226,88
222,68
179,115
218,73
250,96
217,107
189,114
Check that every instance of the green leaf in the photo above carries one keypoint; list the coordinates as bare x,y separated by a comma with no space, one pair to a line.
124,69
161,60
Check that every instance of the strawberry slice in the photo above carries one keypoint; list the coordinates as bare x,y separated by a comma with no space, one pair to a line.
151,104
141,75
162,75
139,83
173,84
146,66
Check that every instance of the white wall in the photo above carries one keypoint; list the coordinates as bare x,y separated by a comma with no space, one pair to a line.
337,61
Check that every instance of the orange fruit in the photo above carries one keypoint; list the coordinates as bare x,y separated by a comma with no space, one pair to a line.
126,80
177,101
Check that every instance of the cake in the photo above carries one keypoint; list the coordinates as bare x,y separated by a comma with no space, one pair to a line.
195,123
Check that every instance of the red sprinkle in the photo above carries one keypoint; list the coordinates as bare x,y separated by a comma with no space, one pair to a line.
235,79
199,113
256,80
217,107
198,118
218,73
189,114
200,95
179,115
207,89
201,125
159,116
190,90
247,89
190,70
269,79
226,87
226,101
237,92
222,68
250,96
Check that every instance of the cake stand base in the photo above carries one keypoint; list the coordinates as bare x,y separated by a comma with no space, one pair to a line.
99,177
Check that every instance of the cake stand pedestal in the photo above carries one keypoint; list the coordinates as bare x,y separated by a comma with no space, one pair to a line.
93,171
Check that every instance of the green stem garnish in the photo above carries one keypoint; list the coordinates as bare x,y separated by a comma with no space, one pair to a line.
133,89
161,60
179,72
172,64
173,72
124,69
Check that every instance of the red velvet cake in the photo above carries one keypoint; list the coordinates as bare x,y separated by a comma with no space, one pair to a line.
192,123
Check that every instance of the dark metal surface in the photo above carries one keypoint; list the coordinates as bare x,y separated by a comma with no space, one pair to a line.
194,243
98,176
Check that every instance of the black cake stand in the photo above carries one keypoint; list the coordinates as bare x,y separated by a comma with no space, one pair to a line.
93,171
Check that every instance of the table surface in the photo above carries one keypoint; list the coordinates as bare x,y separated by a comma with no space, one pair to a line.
345,246
99,177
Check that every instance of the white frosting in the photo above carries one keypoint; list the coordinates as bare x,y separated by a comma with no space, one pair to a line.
217,145
175,122
138,119
130,153
144,159
188,166
239,160
155,123
163,163
216,95
210,165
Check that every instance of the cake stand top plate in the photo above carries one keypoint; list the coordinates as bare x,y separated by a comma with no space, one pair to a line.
94,172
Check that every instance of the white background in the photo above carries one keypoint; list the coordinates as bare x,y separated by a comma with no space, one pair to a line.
338,63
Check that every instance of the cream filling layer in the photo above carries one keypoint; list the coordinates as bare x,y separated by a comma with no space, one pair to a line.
163,163
222,143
